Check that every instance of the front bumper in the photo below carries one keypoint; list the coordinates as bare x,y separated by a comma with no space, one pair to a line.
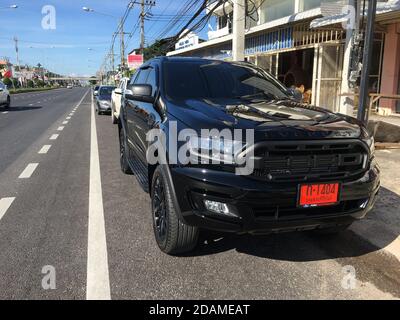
263,207
104,108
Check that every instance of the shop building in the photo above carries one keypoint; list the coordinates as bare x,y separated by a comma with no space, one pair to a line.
305,43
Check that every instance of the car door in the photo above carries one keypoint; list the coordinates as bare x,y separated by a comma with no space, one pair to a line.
2,93
147,116
117,97
133,123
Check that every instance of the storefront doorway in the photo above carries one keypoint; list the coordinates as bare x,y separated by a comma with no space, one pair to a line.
328,76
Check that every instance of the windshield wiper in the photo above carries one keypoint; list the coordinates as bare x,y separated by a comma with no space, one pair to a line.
255,95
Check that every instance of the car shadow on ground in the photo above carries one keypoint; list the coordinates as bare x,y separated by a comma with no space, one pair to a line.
19,109
298,246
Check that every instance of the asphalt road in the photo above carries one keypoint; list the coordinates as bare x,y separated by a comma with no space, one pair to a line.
109,251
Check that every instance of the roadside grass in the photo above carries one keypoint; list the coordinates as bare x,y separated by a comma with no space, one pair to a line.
24,90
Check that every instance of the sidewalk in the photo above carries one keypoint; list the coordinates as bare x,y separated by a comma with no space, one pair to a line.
385,129
381,227
394,119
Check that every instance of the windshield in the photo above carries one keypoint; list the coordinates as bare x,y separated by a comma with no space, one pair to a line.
216,79
106,91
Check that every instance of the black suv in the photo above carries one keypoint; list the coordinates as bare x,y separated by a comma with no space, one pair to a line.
313,169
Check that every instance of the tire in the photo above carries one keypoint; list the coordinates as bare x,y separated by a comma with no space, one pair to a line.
8,103
172,235
332,230
99,112
122,154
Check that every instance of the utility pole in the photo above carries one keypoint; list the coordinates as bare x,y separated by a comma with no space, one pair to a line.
17,52
239,20
112,57
122,46
363,108
17,56
142,19
142,16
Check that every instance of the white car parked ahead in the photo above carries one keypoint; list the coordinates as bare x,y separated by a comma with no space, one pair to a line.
116,99
5,99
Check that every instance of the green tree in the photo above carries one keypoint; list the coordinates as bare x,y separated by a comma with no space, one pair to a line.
30,84
158,48
7,82
15,83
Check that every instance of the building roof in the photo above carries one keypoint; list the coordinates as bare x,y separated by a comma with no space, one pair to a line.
382,9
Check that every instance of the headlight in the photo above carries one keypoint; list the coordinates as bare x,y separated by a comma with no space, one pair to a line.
369,140
215,150
105,103
371,144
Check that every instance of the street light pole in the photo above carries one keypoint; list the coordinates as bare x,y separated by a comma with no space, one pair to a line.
239,14
363,108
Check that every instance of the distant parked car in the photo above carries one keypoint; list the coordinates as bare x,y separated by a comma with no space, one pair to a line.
116,99
5,99
69,86
103,99
95,91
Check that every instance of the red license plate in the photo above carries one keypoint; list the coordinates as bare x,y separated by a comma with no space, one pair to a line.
322,194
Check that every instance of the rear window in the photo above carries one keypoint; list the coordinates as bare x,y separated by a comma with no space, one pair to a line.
106,91
216,79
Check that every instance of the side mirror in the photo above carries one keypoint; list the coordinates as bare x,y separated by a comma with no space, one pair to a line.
96,93
139,92
1,89
118,91
295,94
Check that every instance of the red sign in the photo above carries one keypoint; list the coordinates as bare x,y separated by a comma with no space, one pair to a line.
319,194
135,61
7,74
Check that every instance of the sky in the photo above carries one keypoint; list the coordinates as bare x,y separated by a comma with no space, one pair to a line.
65,49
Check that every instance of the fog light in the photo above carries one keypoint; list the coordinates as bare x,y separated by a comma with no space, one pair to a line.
364,204
218,207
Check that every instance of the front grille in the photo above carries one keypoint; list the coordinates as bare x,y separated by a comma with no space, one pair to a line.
309,161
293,212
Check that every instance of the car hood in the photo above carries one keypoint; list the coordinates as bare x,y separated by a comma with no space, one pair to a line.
271,119
105,98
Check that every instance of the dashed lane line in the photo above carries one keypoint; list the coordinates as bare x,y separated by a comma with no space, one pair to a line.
29,170
54,137
60,128
5,204
45,149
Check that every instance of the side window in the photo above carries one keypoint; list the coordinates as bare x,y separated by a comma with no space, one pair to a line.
142,77
133,78
1,85
152,80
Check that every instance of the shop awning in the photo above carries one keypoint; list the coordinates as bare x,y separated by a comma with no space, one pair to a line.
332,13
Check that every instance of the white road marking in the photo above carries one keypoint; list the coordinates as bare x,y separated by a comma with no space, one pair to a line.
54,137
27,173
31,104
98,281
45,149
5,112
60,129
5,204
65,122
68,118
